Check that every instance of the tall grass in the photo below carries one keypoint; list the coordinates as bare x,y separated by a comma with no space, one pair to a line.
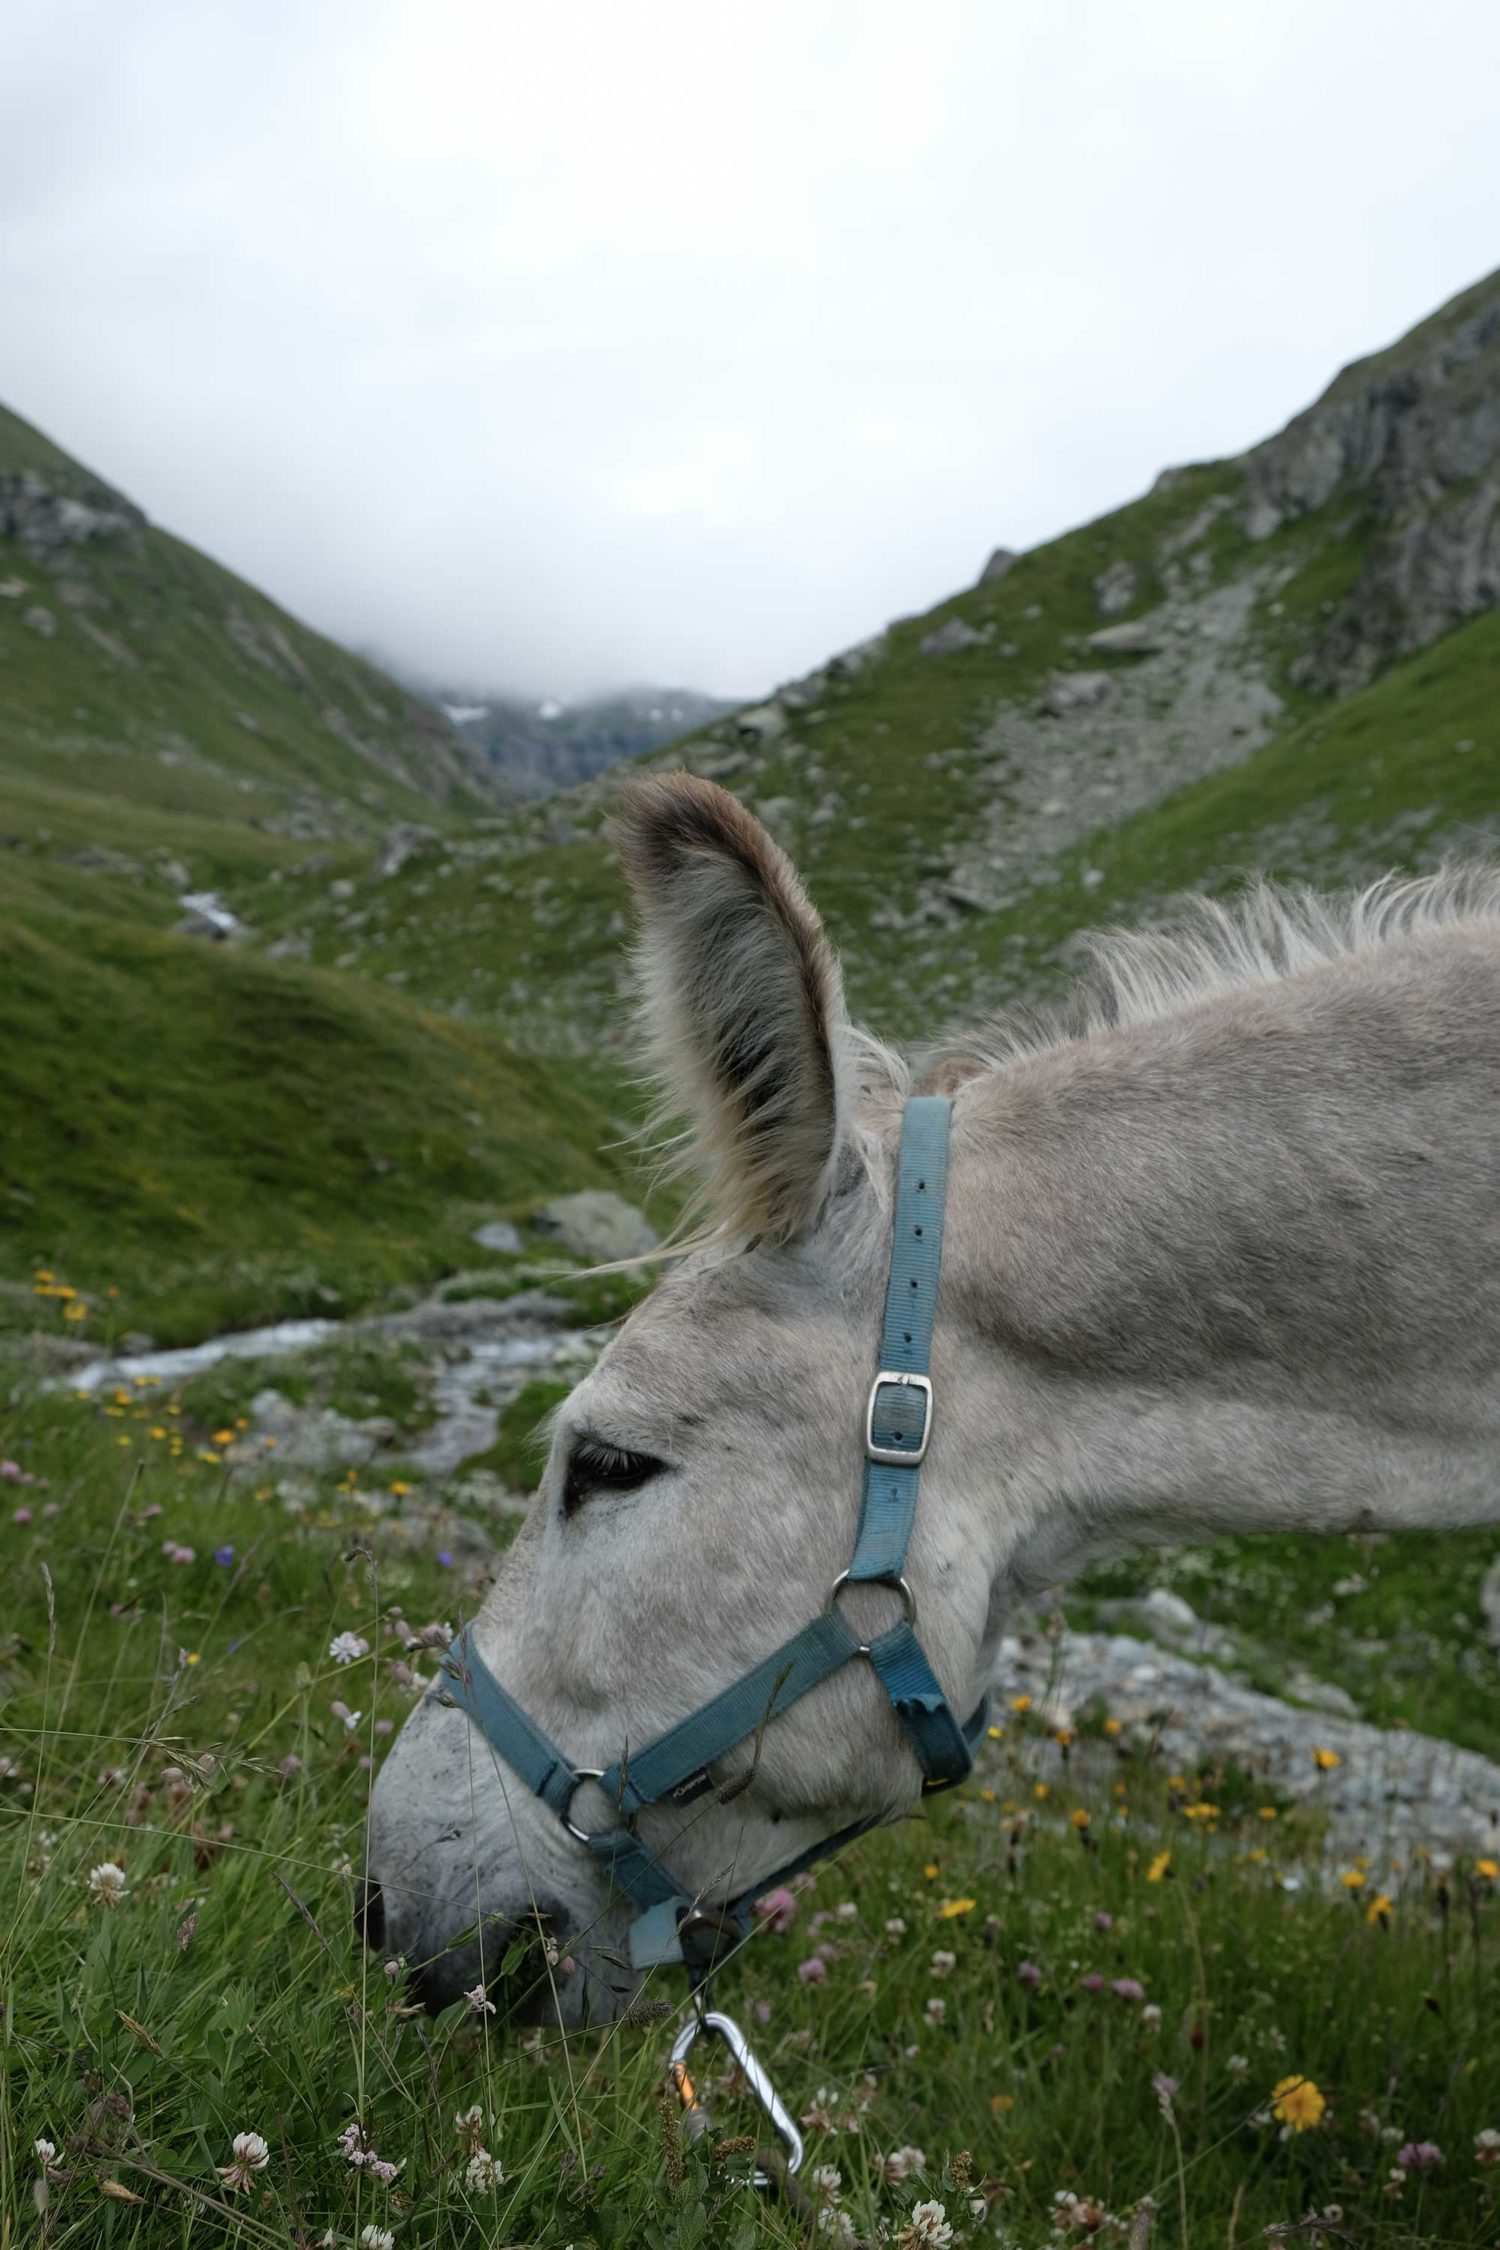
1112,2026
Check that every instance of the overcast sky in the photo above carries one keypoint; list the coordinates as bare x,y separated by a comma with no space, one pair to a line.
674,340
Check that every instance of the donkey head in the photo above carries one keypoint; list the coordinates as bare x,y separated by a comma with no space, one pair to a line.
703,1484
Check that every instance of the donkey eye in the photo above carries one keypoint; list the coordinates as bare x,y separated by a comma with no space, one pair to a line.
596,1466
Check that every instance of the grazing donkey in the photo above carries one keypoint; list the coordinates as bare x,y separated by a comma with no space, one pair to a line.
1222,1254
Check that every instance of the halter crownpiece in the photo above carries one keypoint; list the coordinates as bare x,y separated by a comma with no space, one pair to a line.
673,1925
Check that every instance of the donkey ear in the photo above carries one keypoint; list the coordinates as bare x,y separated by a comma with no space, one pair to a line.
743,1002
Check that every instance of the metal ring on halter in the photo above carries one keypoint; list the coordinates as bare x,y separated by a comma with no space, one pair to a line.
896,1585
581,1774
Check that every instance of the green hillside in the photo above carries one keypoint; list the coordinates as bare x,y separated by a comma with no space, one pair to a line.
132,665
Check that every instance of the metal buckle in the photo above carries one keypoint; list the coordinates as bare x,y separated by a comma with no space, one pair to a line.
696,2118
583,1835
896,1585
898,1456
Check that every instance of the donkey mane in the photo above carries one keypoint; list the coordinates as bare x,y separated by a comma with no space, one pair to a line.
1206,949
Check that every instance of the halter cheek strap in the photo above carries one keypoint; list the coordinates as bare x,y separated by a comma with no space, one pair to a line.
672,1925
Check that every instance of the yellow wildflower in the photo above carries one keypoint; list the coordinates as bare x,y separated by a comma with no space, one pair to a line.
1268,1812
1255,1855
157,1431
1489,1869
1114,1726
1298,2103
75,1312
1353,1878
400,1490
192,1656
1200,1811
931,1871
1380,1909
1079,1817
951,1908
1041,1792
1062,1736
996,1734
45,1273
1002,2104
1326,1760
1158,1867
223,1437
1020,1703
986,1796
211,1458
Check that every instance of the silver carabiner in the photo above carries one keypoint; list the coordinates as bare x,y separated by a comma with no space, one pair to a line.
695,2108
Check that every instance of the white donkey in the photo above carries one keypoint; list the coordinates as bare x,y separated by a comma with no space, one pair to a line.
1222,1255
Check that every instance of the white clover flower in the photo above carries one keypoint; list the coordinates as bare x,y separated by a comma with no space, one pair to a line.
896,1926
942,1964
479,2002
377,2238
826,2183
251,2154
107,1883
347,1648
1237,2065
837,2226
935,2010
45,2153
483,2173
927,2229
902,2162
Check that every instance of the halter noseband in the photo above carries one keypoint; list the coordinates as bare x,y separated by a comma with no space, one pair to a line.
673,1925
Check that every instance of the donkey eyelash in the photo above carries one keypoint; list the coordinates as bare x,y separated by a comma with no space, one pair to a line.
594,1465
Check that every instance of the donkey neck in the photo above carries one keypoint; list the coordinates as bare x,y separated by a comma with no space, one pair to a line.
1236,1268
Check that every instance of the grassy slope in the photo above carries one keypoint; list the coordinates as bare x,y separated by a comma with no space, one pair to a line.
145,691
222,1139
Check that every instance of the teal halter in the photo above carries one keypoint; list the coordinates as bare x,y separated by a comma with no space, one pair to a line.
674,1926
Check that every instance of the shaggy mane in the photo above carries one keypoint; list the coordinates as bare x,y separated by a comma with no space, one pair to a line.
1207,949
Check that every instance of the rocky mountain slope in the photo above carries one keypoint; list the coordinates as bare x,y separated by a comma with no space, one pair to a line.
1287,660
536,749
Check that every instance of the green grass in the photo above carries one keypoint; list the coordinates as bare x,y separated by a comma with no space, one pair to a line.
197,1139
177,1718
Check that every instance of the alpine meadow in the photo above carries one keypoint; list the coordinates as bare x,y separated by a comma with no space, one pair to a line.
325,1177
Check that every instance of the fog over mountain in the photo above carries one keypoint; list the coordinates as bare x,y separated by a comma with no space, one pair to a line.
569,349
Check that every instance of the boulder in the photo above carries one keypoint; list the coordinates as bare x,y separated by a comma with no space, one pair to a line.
762,724
947,639
499,1235
1067,692
1115,588
40,621
1000,564
206,916
1136,637
596,1224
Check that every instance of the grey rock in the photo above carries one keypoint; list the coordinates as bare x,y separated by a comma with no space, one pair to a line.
1115,588
1067,692
949,638
40,621
311,1438
1390,1791
1136,637
48,521
763,724
341,888
1410,439
596,1224
1489,1603
499,1235
1001,563
721,765
851,661
402,843
206,916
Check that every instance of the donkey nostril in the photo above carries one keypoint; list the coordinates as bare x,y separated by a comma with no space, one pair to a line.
369,1912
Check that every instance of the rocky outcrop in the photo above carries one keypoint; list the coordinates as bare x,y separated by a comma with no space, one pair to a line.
49,521
1408,442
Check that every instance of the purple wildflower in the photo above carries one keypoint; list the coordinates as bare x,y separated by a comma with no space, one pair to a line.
1419,2156
814,1971
1028,1973
1128,1988
776,1911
